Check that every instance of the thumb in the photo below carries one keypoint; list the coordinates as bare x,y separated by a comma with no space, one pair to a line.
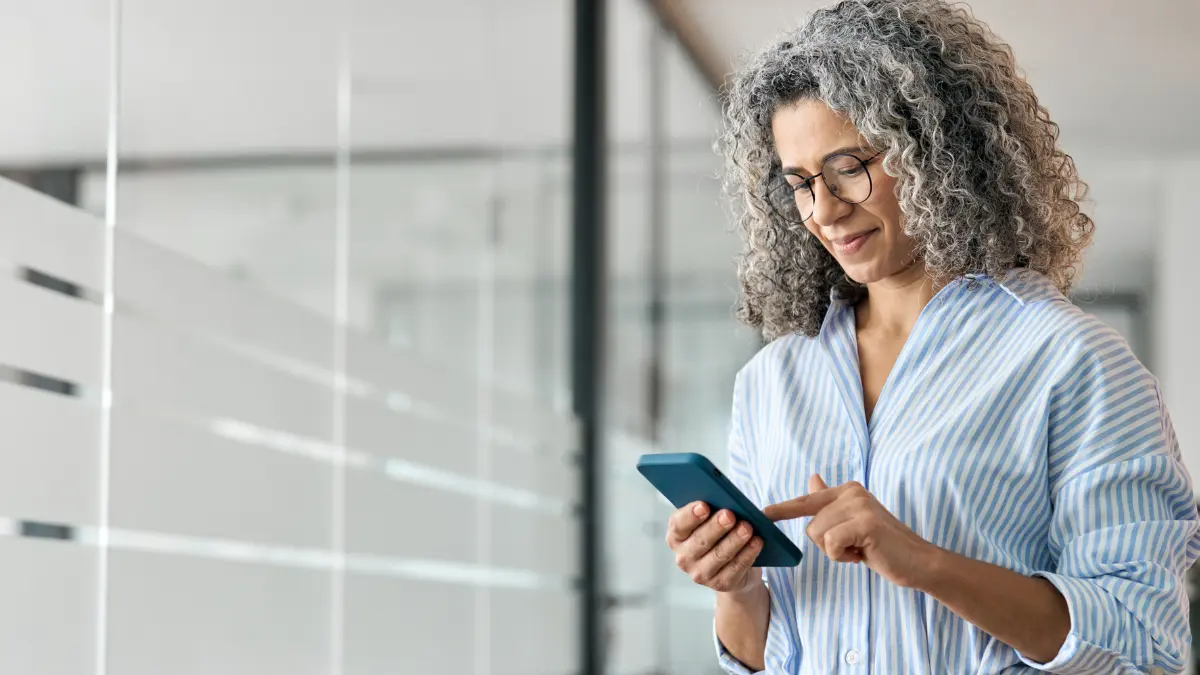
815,484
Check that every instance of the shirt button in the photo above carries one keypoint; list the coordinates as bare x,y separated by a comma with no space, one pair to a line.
851,657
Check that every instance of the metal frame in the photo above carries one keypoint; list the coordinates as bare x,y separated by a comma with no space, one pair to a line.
362,157
587,312
656,308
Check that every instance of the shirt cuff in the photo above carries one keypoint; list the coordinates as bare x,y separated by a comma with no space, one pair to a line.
728,663
1065,661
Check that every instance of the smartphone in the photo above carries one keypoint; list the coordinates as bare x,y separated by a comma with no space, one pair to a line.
686,477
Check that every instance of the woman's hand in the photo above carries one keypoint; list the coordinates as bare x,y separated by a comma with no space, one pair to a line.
717,551
850,525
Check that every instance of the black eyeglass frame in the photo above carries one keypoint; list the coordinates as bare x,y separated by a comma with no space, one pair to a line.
782,183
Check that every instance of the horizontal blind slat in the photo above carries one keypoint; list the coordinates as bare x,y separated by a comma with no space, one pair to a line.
50,467
50,334
43,233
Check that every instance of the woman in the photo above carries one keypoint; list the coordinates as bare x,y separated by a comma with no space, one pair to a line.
982,477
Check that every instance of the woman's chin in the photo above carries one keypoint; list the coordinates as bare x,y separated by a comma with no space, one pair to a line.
864,272
873,271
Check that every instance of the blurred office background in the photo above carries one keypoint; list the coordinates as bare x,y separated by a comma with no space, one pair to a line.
296,306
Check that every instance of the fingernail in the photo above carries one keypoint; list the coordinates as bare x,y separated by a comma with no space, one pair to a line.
726,519
699,510
744,530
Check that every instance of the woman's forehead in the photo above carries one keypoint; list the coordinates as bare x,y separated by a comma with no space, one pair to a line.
807,132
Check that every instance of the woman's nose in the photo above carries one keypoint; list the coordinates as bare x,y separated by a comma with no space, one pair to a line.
827,209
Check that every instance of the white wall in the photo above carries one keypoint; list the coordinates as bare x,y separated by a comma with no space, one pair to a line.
1178,306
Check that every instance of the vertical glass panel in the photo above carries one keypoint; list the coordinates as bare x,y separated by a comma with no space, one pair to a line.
54,70
458,197
224,426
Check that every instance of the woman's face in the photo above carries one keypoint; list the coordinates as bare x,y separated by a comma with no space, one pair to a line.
866,238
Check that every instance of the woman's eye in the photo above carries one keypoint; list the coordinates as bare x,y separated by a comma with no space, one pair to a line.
851,172
802,186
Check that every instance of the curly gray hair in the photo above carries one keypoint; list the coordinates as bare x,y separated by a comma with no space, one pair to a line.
982,184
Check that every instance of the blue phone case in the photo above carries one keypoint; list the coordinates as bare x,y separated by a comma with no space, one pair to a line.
686,477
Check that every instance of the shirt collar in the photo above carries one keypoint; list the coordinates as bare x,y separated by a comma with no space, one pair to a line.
1024,285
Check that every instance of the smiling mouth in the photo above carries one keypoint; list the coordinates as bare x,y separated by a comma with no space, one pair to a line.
853,243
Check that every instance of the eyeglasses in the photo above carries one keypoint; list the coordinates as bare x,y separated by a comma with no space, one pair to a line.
845,176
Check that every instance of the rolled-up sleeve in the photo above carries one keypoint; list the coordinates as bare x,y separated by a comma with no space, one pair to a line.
1125,529
728,663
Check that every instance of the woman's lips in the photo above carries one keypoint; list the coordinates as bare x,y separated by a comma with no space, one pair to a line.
853,243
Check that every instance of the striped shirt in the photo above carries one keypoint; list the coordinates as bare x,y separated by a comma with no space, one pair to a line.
1014,429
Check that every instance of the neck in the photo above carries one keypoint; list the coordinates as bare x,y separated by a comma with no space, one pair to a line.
892,305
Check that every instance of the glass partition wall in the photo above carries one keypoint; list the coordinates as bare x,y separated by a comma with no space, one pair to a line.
290,370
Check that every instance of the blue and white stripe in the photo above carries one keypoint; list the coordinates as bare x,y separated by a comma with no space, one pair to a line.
1015,429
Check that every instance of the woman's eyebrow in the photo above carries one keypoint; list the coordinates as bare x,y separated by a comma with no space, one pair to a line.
796,170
